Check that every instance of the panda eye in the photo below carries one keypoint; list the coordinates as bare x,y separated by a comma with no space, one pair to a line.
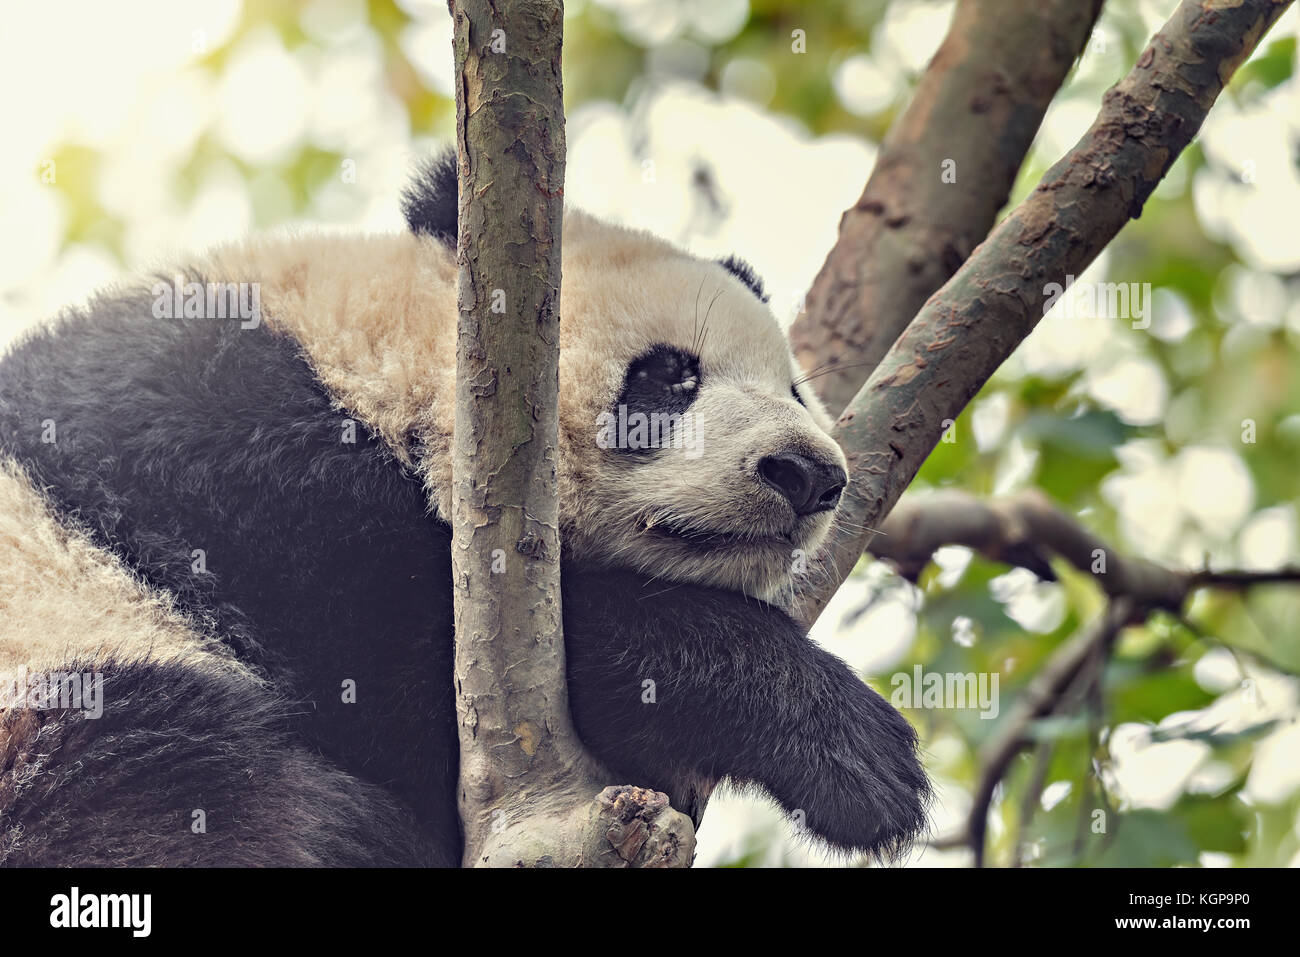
675,371
794,391
662,380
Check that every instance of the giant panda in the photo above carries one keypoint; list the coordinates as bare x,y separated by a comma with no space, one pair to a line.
227,522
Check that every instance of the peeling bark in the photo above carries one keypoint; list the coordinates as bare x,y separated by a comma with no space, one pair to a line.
529,794
979,105
967,329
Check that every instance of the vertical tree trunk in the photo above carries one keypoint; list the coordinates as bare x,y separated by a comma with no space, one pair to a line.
528,793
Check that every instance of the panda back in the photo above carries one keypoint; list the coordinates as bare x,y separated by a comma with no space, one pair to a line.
212,464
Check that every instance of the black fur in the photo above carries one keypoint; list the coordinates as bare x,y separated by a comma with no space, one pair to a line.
430,202
122,789
739,692
745,273
323,564
654,385
321,561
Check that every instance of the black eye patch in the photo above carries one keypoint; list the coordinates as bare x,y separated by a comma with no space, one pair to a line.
662,381
745,273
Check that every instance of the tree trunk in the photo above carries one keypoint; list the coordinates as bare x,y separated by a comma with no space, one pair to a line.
529,795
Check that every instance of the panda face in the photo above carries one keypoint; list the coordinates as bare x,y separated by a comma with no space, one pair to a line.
687,453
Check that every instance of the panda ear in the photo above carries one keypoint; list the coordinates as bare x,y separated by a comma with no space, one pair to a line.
429,202
745,273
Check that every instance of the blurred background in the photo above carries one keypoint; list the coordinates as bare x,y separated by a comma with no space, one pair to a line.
139,133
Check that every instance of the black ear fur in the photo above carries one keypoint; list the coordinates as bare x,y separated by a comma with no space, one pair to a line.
745,273
429,202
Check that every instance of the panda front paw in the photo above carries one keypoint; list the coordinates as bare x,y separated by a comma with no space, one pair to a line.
860,785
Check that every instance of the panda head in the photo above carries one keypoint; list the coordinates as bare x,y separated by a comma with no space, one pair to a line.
687,449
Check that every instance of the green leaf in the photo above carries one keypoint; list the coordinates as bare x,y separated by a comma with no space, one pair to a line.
1138,695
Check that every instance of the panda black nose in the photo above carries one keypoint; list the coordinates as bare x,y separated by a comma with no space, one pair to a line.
808,486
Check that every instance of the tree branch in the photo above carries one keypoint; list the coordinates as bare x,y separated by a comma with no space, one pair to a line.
993,302
978,106
1039,699
1025,530
1075,667
529,795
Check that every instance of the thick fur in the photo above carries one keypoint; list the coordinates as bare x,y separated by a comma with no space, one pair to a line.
185,727
327,561
178,738
429,202
321,561
739,692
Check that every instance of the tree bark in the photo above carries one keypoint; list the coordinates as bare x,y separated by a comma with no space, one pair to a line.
1025,530
529,795
977,107
993,302
1028,529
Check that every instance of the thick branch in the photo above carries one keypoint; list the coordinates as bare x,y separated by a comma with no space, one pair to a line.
1024,530
977,108
529,795
514,729
994,301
